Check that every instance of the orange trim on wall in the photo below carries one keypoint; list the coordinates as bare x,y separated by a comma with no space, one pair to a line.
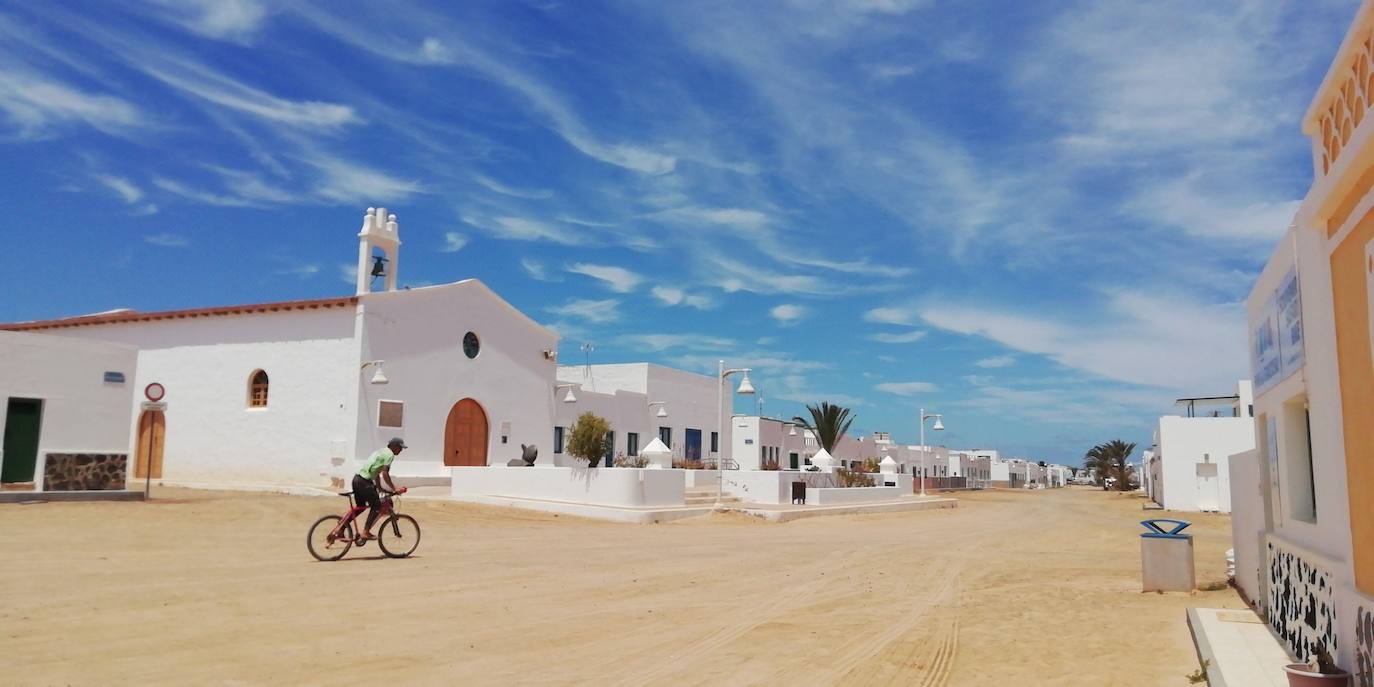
1355,364
1347,206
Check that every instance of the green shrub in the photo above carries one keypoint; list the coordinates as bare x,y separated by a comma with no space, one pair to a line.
588,440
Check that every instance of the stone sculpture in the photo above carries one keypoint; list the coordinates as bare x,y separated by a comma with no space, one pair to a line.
528,454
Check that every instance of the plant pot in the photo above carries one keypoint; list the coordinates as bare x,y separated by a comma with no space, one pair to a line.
1299,675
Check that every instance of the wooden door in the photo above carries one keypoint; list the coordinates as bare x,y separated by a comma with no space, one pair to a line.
465,435
152,432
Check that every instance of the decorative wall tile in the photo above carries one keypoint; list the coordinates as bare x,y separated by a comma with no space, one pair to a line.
1302,609
84,471
1364,646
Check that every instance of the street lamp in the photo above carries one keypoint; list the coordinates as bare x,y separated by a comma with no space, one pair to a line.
662,409
377,377
938,426
745,388
569,397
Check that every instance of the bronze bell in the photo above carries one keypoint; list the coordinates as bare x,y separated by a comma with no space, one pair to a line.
378,266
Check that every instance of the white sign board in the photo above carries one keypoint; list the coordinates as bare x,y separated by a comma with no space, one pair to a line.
1276,349
158,406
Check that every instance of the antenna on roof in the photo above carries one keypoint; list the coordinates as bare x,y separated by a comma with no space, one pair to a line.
587,349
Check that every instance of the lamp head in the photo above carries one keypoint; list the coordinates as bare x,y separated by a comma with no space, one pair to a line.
378,377
745,386
939,425
662,412
569,397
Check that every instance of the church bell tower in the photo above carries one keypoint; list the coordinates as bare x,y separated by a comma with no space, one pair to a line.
379,246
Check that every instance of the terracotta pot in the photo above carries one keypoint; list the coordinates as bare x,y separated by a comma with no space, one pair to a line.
1299,675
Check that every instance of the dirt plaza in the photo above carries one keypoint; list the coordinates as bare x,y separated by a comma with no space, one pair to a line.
199,587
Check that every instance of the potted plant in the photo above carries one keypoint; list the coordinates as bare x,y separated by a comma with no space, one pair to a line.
1319,671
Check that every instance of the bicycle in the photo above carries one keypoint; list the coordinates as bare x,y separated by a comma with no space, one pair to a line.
332,536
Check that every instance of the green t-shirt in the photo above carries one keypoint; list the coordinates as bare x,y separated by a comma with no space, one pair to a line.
379,460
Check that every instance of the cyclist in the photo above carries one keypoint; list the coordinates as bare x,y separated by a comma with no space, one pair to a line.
366,482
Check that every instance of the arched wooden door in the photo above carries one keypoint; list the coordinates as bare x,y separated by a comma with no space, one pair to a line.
465,434
152,432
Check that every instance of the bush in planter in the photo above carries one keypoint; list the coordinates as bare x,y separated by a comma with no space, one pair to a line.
849,478
623,461
770,464
588,440
684,464
1319,670
871,465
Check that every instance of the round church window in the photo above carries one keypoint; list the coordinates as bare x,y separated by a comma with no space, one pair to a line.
471,346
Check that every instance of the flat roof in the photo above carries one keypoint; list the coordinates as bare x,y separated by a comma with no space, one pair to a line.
1186,401
122,316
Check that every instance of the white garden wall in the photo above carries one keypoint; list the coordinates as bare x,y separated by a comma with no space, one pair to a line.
617,487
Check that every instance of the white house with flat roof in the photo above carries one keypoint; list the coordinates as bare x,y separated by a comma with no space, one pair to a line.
66,412
1189,463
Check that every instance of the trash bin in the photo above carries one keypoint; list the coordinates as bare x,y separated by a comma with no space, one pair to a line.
799,492
1166,557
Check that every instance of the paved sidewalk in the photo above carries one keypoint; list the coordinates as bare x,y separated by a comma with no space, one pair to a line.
1238,648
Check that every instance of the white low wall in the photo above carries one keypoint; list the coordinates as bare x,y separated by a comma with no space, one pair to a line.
833,496
701,478
775,486
618,487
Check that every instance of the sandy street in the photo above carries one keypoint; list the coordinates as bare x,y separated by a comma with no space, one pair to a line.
1011,588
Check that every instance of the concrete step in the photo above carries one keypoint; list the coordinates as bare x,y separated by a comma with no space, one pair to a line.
706,500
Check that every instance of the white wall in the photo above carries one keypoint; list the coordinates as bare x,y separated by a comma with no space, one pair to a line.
1183,443
690,400
1248,524
626,412
419,333
617,487
81,413
213,436
836,496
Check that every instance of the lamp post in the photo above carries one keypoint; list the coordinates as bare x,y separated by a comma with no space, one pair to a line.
938,426
745,388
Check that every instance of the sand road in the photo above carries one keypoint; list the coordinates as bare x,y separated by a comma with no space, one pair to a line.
1011,588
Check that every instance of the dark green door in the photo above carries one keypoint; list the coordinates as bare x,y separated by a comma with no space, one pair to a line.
22,420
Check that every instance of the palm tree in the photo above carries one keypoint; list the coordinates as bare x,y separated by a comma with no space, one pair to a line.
1111,460
828,422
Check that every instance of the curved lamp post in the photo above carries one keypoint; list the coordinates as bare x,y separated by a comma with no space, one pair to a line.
925,450
745,389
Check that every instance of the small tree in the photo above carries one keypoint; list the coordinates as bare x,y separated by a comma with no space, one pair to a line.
588,440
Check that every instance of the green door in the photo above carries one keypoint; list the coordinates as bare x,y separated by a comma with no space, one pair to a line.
22,421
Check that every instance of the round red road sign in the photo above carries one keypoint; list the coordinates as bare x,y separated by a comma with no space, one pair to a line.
154,392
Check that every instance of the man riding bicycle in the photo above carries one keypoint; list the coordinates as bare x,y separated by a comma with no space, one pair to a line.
366,482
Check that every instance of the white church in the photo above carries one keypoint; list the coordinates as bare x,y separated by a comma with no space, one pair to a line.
297,392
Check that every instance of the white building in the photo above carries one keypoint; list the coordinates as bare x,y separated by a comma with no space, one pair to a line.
66,412
642,401
298,392
1189,461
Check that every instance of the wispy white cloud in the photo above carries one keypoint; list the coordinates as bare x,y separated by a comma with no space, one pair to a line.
167,240
36,104
663,342
997,361
453,242
906,388
124,188
216,88
788,314
346,272
535,269
303,271
904,337
618,279
594,311
674,296
342,181
200,196
1144,338
892,315
513,228
528,194
223,19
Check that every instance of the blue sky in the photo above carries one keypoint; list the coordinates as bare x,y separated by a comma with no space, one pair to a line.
1040,221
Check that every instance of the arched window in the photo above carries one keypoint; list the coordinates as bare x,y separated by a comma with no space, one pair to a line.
257,390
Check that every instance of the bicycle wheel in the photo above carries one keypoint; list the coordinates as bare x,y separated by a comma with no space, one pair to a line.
399,536
319,543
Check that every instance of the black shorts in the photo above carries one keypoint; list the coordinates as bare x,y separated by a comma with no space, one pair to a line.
365,492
